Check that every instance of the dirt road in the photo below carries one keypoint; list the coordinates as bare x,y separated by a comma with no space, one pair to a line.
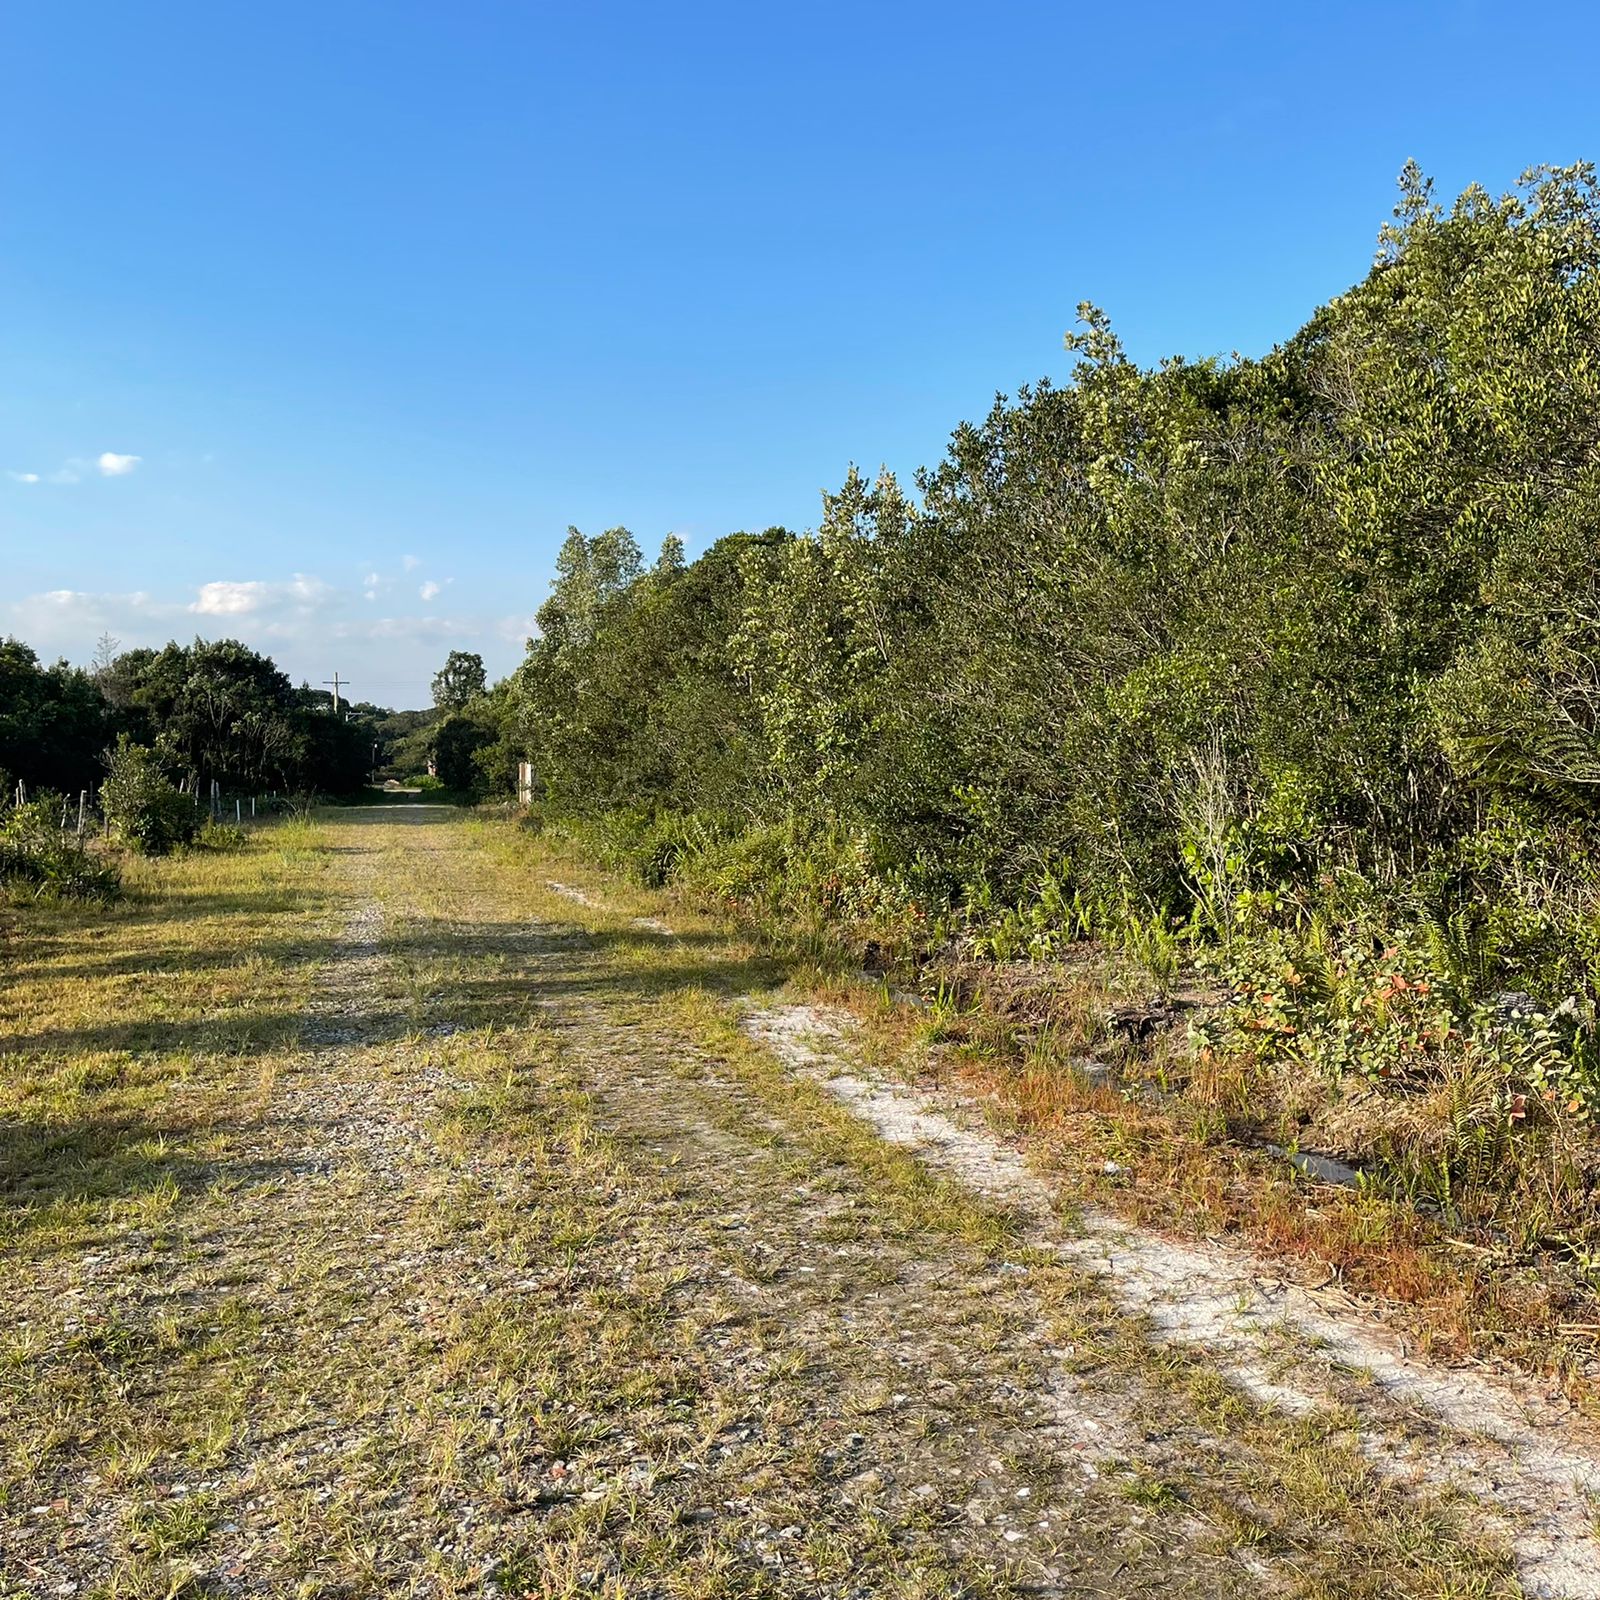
392,1212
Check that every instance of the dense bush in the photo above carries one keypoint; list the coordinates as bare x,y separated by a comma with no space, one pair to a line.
141,804
1225,652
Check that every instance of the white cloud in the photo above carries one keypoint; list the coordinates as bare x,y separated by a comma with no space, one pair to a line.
108,464
430,589
224,598
229,599
410,563
68,619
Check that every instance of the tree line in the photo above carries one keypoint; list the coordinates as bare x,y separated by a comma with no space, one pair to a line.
217,711
1315,634
1226,646
212,711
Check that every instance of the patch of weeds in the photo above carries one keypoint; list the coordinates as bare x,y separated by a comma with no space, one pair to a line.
1146,1490
175,1527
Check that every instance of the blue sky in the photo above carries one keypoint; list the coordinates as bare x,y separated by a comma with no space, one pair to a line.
322,321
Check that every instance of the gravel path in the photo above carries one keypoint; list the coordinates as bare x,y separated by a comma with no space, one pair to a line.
1537,1475
512,1268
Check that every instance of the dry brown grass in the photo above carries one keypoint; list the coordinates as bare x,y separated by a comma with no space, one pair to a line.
1184,1135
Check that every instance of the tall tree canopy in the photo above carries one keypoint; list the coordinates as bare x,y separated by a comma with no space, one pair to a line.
459,681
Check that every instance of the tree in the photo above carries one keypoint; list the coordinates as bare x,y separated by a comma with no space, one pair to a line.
1301,619
456,742
459,681
54,722
629,694
219,710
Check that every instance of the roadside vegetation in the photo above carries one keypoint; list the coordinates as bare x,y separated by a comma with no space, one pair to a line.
1234,723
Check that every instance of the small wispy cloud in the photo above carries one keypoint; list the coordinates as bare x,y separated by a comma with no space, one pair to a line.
430,590
109,464
410,563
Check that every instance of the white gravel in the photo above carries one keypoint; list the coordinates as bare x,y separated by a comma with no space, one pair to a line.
1534,1476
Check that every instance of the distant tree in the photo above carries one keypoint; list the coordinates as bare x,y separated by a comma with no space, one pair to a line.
106,649
459,681
220,710
671,560
456,743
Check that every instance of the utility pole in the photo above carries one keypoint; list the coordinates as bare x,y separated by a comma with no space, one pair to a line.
336,683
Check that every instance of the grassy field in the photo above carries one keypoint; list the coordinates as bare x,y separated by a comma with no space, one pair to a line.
389,1208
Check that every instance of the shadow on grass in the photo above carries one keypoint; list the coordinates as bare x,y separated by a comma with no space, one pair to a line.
290,952
494,973
64,1175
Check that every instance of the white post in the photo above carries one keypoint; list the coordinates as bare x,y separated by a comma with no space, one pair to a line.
238,810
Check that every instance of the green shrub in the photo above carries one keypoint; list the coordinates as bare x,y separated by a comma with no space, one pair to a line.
37,856
220,836
1399,1013
145,810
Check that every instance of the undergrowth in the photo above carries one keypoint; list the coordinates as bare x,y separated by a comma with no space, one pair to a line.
1345,1029
40,858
